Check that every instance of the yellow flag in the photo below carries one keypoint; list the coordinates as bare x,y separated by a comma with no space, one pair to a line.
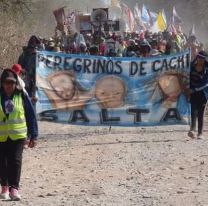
115,3
161,24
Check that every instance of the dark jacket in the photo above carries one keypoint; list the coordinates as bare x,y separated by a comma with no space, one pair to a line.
199,80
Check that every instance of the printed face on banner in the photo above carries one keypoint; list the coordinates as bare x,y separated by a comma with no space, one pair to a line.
110,92
63,84
64,91
170,86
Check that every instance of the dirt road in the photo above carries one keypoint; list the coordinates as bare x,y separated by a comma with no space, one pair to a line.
81,166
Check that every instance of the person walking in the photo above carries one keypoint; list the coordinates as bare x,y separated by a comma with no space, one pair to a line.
17,122
199,93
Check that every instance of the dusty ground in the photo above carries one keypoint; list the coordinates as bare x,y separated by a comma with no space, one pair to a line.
83,166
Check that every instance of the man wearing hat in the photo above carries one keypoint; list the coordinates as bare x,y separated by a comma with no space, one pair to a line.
199,93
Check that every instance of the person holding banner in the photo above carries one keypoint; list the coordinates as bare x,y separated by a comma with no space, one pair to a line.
199,93
27,60
17,121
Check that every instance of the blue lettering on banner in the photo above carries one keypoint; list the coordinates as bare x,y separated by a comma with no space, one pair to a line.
95,90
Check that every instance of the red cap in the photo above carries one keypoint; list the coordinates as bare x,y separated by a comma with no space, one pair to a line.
17,68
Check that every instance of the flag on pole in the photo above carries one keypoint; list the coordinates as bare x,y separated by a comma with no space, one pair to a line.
176,20
192,31
71,19
161,22
164,16
114,10
115,3
148,17
131,20
152,17
60,18
145,15
139,25
128,17
124,9
59,15
137,12
171,28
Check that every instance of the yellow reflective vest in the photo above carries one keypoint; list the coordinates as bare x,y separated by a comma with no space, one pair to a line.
14,126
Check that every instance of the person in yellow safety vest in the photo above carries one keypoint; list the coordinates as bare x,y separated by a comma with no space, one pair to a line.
17,122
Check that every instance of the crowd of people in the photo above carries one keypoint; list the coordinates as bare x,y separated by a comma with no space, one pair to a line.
113,44
18,87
